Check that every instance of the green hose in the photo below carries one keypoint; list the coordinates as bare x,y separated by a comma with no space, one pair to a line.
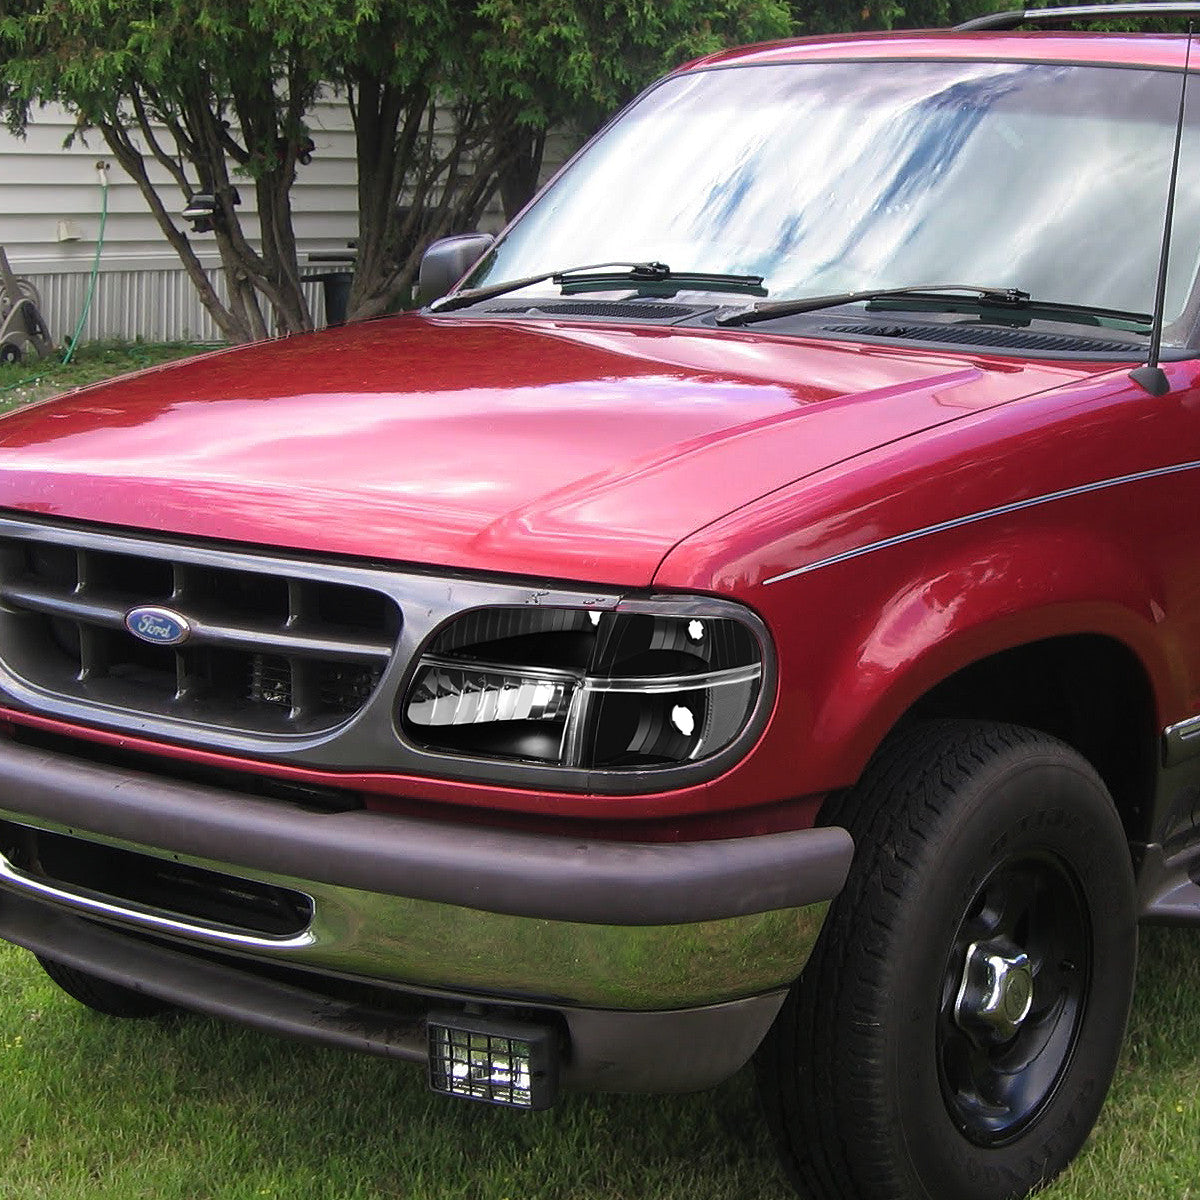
10,387
87,303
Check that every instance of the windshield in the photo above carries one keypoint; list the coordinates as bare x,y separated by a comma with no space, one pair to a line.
831,177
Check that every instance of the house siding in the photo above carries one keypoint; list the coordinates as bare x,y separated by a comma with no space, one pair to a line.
141,288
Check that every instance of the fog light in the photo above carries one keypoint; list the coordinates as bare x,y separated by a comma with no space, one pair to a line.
498,1062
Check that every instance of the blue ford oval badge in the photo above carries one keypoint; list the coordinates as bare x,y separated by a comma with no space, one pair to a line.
159,626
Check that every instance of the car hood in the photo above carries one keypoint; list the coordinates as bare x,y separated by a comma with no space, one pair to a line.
571,451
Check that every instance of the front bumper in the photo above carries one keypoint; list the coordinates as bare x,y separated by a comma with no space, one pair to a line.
640,936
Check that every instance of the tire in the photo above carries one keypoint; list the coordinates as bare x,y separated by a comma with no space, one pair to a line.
100,995
10,352
957,1027
26,290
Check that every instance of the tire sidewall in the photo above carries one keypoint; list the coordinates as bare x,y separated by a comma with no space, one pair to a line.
1028,804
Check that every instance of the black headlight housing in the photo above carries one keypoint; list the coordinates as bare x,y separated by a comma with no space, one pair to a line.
669,688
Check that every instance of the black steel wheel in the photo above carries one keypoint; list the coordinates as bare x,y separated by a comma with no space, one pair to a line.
101,995
957,1027
1013,997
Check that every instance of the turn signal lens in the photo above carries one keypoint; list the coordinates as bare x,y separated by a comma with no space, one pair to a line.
614,691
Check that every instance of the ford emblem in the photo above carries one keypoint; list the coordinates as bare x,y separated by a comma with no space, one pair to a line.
159,626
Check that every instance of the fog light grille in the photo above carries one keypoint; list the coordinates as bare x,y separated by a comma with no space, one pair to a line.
498,1062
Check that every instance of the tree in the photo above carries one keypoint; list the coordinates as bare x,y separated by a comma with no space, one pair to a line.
848,16
229,83
446,125
451,101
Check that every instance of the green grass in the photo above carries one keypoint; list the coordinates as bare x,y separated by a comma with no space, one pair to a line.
22,383
191,1109
1147,1145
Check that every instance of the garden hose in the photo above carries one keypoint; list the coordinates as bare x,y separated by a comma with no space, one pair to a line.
10,387
102,167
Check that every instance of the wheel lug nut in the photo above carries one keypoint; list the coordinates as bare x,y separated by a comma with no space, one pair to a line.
996,992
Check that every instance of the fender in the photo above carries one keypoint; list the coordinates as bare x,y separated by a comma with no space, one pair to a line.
883,577
965,603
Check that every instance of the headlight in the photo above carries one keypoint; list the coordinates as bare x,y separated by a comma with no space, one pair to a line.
646,686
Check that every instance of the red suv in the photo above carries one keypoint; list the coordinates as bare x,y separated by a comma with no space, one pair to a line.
754,612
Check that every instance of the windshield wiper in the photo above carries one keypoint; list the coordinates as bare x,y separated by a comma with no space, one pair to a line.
954,294
653,274
602,275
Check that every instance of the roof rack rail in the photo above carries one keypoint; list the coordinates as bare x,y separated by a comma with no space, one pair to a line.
1079,12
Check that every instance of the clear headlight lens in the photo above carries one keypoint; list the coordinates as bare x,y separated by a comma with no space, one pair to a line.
447,694
615,690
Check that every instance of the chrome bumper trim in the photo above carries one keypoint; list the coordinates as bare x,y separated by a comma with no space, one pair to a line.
672,1051
97,906
559,878
439,946
493,912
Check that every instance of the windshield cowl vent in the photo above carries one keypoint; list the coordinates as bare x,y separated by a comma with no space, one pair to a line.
558,308
982,335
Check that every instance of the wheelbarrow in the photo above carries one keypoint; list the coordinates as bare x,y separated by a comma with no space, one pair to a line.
22,327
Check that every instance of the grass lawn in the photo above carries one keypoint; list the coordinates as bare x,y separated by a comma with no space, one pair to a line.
191,1109
22,383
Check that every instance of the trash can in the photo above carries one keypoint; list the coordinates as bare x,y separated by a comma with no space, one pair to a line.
336,286
335,283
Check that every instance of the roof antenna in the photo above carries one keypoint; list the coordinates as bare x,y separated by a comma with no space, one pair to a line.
1152,378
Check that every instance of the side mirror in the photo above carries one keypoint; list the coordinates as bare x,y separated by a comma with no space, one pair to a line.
447,260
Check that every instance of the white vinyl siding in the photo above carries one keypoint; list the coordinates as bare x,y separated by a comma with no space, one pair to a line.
142,290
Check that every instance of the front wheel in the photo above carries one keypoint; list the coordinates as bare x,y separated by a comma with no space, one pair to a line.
957,1027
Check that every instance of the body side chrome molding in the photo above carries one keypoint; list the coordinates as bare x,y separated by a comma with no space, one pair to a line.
1181,741
983,515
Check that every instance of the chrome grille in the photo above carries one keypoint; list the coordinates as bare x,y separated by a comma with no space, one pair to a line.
267,652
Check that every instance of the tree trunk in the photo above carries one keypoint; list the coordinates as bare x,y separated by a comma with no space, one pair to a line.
230,324
519,173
